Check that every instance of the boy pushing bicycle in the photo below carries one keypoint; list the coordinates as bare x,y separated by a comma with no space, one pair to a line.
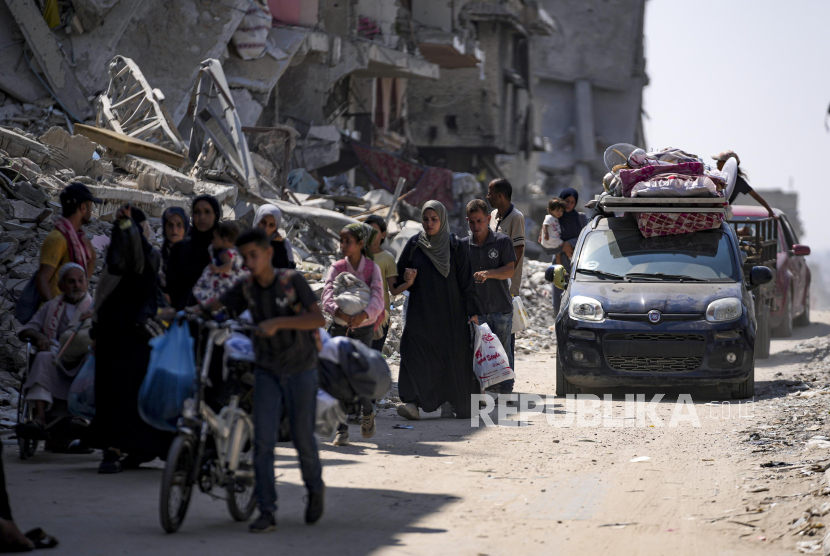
286,310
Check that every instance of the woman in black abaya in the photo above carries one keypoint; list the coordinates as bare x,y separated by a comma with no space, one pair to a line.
189,257
436,351
124,301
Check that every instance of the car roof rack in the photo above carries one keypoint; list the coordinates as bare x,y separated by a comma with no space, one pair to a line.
605,203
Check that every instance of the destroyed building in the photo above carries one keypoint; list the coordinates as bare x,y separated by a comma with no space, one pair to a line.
480,117
590,79
325,108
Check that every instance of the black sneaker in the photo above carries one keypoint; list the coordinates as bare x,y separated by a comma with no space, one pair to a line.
314,509
111,463
265,523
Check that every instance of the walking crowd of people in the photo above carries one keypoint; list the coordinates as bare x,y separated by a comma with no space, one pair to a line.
206,264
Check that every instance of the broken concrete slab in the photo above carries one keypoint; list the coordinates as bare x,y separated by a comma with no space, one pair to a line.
15,77
248,109
17,145
327,218
74,151
155,176
32,195
153,204
49,56
321,147
25,212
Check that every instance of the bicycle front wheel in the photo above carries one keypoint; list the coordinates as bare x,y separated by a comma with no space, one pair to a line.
240,489
177,483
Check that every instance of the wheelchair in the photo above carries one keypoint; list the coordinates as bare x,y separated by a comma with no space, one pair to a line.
61,426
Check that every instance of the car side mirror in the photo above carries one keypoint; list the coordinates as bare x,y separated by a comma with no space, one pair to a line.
760,275
560,277
800,250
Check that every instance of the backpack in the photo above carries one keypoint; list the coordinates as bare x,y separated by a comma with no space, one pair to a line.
368,272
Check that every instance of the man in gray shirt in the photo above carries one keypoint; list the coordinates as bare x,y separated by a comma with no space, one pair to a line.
492,259
507,219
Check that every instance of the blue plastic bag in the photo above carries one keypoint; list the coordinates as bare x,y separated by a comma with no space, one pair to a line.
81,399
170,379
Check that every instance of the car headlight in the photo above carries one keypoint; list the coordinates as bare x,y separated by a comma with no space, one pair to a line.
585,308
724,310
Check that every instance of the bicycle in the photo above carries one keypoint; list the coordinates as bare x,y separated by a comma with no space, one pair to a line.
213,449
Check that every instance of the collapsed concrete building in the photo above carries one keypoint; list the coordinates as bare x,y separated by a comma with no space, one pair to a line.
590,79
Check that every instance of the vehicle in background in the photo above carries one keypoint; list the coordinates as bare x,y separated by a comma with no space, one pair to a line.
791,302
758,243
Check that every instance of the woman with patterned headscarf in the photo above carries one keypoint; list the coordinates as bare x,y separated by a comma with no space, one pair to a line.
353,295
436,351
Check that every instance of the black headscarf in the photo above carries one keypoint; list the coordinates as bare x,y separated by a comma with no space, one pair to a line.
189,257
166,246
570,221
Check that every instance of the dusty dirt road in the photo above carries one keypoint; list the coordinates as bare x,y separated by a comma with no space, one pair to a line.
445,487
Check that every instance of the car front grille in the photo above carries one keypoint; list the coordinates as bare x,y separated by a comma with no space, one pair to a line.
649,337
654,364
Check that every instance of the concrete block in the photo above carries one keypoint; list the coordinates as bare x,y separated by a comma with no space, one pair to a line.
71,151
17,145
158,176
25,212
31,195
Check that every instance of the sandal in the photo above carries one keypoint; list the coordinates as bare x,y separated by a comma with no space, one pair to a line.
41,539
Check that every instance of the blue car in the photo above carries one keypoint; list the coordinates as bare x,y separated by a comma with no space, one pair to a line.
656,312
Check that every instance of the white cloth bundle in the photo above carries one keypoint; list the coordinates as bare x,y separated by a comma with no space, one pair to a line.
351,294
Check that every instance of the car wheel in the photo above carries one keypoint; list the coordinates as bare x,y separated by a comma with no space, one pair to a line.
745,389
762,333
804,318
563,387
785,329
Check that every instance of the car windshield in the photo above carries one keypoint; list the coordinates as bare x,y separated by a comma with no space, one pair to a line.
626,253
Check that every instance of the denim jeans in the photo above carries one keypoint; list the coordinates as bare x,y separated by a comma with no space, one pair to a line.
297,394
501,324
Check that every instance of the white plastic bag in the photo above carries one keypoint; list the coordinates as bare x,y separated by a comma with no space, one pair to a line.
329,415
490,361
520,318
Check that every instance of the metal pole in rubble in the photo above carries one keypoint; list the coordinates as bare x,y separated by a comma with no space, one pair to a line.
398,189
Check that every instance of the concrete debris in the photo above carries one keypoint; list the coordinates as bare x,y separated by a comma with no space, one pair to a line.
217,144
130,106
156,176
274,148
74,151
50,58
16,144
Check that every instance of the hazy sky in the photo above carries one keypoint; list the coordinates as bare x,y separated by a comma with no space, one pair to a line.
752,76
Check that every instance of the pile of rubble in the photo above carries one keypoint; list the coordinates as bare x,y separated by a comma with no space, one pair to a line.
536,295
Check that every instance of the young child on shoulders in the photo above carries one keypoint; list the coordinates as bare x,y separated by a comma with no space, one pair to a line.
551,239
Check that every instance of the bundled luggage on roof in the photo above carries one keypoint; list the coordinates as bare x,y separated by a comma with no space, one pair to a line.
669,190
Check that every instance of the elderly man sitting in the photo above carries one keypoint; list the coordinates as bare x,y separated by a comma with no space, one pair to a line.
56,364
